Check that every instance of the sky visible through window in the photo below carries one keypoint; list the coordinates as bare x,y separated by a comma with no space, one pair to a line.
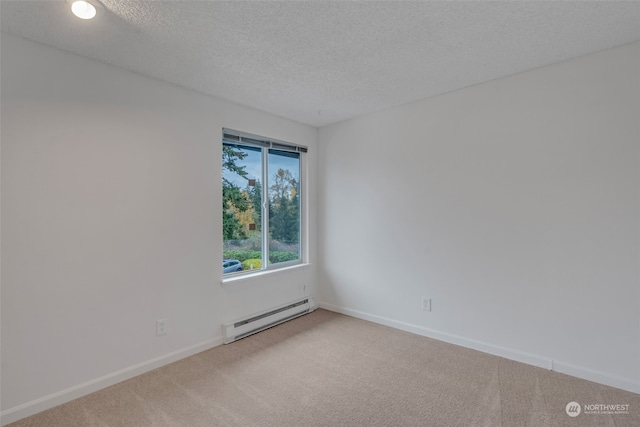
253,167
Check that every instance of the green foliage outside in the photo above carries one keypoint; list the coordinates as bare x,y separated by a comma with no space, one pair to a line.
242,255
242,212
284,207
252,264
232,194
274,257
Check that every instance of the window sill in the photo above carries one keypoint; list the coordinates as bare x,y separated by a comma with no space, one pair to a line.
248,276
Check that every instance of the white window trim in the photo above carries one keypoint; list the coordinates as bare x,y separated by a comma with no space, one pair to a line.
303,262
242,277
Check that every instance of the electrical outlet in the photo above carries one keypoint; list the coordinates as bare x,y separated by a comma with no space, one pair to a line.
426,304
161,327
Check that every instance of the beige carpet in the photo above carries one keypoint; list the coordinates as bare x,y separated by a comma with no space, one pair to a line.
326,369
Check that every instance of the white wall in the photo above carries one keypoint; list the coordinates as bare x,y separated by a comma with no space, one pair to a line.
111,202
514,205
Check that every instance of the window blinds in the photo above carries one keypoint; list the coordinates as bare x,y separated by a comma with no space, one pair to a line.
235,137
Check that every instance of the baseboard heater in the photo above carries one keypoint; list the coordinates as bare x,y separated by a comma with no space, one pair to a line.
257,322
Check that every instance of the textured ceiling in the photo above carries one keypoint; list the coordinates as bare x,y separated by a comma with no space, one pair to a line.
322,62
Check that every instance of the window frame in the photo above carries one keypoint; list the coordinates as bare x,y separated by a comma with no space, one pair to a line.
240,139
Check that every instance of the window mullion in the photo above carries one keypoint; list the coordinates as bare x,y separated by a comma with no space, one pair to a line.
301,210
265,208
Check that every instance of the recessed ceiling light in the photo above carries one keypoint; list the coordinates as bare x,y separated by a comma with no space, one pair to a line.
83,9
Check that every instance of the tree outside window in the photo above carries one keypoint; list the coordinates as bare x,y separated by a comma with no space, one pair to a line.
260,235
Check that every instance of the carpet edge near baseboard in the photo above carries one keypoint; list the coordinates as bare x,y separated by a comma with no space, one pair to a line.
74,392
508,353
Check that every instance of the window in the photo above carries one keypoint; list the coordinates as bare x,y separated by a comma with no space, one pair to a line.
261,203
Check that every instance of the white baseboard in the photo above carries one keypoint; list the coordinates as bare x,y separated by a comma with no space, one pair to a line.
38,405
596,376
508,353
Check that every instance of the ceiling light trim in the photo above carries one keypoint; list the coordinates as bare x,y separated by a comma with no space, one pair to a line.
84,9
